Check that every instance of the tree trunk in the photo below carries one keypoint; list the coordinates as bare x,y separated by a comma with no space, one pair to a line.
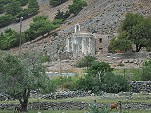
24,100
24,106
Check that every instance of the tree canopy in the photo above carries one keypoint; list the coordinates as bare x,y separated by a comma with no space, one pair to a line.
77,6
39,27
13,8
33,4
135,31
6,20
99,77
20,75
9,39
120,44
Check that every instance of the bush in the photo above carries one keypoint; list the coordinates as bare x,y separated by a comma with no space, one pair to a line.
50,87
45,58
13,8
56,2
85,62
23,2
4,2
39,27
9,39
88,83
26,13
99,77
146,71
114,83
14,11
98,69
65,83
61,15
6,20
33,4
1,8
77,6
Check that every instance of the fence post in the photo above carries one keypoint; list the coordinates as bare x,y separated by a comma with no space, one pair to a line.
120,106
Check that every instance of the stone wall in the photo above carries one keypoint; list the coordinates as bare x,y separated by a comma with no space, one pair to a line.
133,55
66,94
140,86
75,105
102,43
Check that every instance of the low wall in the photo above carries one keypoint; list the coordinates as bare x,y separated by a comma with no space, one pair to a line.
140,86
74,106
66,94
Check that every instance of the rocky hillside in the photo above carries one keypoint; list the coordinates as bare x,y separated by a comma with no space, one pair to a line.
103,16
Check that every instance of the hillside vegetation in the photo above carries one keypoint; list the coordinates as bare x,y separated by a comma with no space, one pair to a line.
100,15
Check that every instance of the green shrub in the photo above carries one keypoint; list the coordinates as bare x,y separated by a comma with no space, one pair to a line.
23,2
50,87
4,2
26,13
99,77
65,83
1,8
45,58
61,15
85,62
146,71
95,109
33,4
6,20
13,8
39,27
77,6
9,39
14,11
114,83
88,83
56,2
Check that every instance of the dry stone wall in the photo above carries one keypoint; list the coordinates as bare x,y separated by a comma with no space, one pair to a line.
66,94
141,86
75,105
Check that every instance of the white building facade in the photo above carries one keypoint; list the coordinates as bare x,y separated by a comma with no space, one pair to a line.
81,44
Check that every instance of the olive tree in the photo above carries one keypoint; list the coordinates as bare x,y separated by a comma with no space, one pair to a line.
20,75
135,31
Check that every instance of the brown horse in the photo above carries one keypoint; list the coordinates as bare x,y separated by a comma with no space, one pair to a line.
114,106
